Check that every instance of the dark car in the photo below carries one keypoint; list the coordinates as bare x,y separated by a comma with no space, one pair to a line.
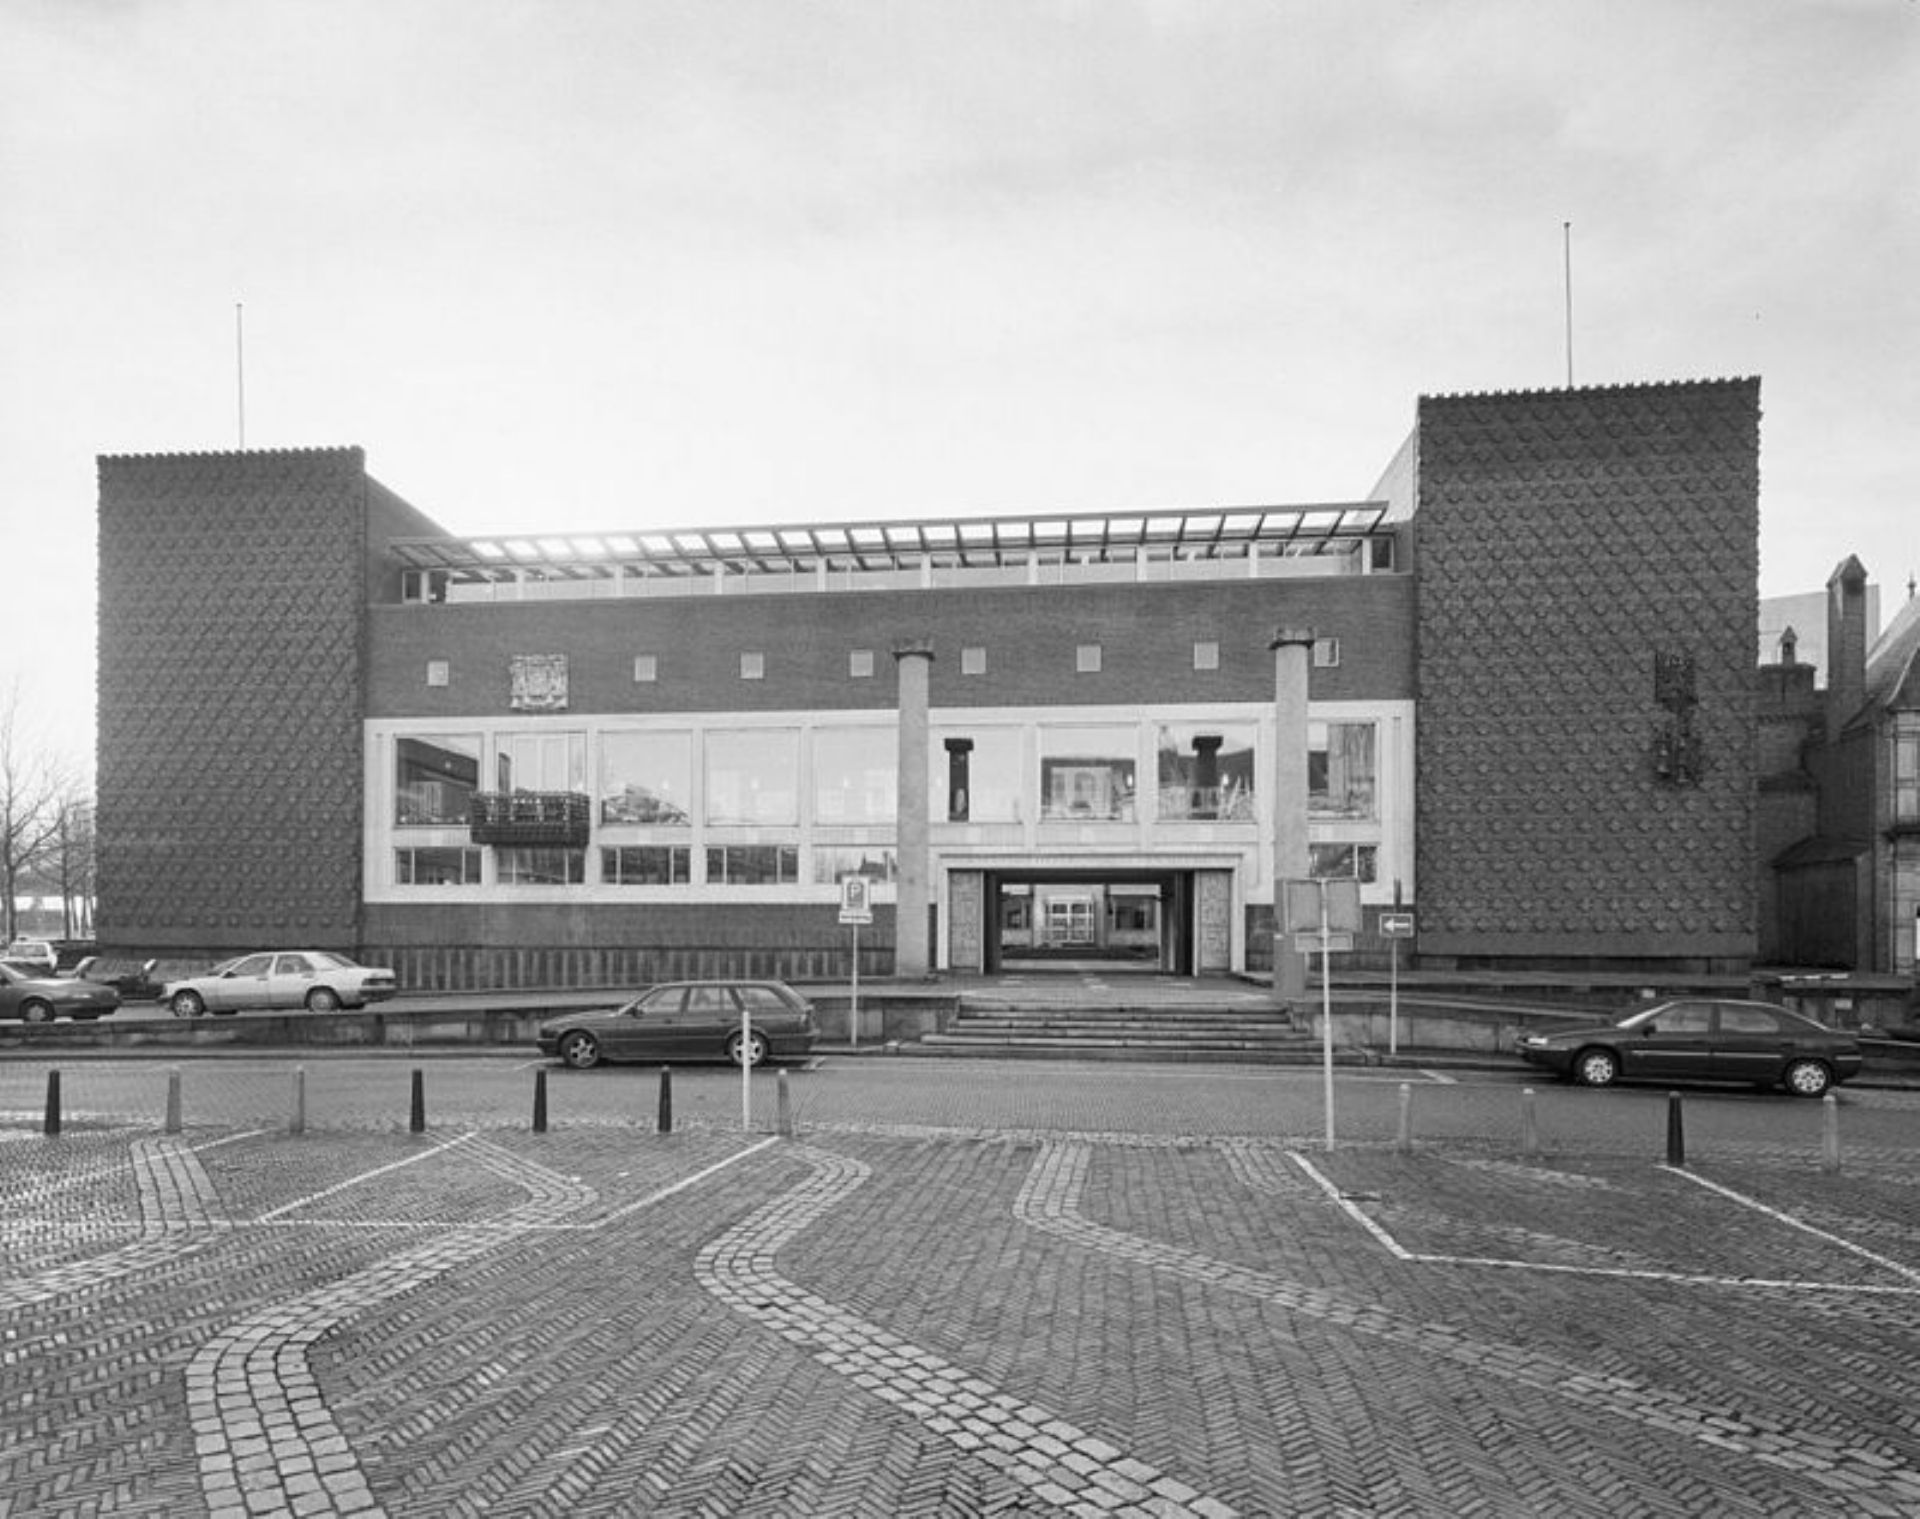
689,1020
1702,1039
42,998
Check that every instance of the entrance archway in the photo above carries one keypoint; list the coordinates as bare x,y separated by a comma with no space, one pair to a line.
1042,919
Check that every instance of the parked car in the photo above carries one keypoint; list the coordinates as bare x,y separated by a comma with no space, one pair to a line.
34,955
42,998
689,1020
1702,1039
315,979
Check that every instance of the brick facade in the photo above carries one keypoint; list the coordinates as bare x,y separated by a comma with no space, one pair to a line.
1566,542
232,597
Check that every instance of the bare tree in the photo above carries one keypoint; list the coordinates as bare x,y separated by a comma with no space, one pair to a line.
69,862
34,785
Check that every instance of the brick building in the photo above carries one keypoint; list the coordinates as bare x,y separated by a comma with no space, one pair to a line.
1840,791
1511,689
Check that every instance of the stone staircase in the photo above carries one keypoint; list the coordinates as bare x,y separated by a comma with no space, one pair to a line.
1094,1022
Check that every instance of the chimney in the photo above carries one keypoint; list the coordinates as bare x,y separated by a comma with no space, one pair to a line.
1846,645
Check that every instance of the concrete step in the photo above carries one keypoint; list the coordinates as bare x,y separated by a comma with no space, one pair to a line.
1293,1051
1076,1018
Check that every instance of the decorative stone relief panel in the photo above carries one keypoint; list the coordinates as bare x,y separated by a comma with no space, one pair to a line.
538,682
1213,947
966,938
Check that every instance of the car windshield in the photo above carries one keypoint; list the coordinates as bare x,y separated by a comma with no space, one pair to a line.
11,976
326,959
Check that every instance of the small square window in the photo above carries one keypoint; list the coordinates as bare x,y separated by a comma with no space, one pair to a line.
860,664
438,672
1326,652
973,661
1087,659
646,668
1206,655
753,666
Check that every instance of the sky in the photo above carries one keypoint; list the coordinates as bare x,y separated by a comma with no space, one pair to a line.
575,265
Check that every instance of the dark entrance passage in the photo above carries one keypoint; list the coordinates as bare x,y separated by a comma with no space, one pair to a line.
1066,919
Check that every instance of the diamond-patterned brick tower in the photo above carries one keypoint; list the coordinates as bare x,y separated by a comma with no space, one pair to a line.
232,606
1578,552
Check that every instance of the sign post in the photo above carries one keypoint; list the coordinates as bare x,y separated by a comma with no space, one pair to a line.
856,907
1324,914
1394,926
746,1070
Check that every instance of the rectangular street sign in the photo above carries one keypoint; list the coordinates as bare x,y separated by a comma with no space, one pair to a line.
856,905
1310,944
1396,925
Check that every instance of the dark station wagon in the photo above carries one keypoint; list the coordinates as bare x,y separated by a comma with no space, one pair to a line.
689,1021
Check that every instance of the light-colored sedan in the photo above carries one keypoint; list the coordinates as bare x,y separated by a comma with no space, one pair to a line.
315,979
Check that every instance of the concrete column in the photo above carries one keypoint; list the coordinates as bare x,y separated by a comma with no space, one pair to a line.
911,957
1292,655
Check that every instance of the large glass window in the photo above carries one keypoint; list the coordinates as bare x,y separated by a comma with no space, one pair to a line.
541,762
433,777
753,776
540,867
753,865
1906,778
436,867
646,865
646,778
984,784
833,865
856,774
1206,771
1087,774
1340,770
1337,861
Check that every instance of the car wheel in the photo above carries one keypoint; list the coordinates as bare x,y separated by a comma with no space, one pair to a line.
1807,1078
756,1046
188,1004
323,999
36,1012
580,1049
1596,1068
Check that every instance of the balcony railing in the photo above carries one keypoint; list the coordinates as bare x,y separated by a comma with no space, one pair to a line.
530,818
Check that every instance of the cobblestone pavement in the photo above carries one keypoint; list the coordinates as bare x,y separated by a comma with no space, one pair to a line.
891,1318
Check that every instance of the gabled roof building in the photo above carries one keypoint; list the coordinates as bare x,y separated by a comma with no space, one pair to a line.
1841,787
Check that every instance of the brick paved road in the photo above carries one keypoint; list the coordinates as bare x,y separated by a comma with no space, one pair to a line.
923,1318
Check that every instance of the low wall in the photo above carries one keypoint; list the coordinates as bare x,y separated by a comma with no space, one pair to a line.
883,1018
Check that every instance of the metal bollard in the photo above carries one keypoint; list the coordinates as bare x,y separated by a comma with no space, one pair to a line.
1529,1123
784,1122
540,1101
1676,1133
1829,1133
53,1103
173,1100
1405,1142
297,1123
417,1120
666,1099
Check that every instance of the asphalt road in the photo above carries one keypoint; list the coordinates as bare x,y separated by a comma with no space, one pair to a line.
948,1288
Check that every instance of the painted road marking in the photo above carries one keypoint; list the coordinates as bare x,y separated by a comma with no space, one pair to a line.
1349,1204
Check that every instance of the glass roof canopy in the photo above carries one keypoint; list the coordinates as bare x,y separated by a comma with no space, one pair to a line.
967,542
